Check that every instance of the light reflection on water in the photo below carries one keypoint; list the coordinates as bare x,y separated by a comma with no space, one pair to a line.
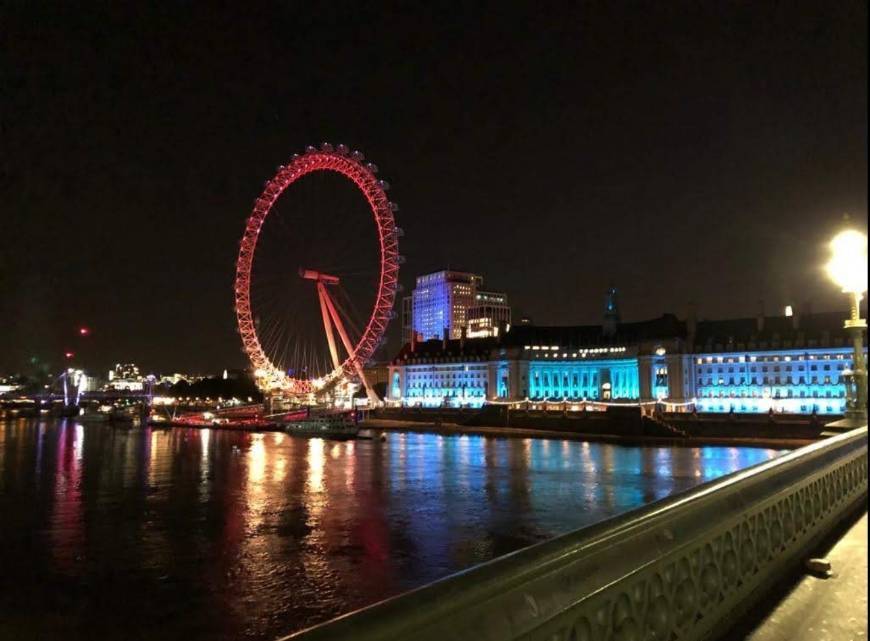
187,534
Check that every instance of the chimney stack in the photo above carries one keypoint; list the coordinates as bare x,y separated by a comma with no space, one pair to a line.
759,319
796,317
413,341
463,333
444,337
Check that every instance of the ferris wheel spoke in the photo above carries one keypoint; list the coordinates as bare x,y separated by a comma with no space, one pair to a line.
351,310
273,348
348,321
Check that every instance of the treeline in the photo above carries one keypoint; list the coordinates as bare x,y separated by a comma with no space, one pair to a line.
217,387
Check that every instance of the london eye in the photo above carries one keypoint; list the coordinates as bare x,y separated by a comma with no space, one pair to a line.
317,273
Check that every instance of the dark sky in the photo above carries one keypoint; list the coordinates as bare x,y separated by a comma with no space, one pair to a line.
680,151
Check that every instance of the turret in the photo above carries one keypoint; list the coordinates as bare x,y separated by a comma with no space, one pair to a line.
611,312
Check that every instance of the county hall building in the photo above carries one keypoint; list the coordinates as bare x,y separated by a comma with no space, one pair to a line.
792,364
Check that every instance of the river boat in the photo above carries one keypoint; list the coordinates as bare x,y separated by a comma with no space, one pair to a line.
131,415
92,417
205,420
340,426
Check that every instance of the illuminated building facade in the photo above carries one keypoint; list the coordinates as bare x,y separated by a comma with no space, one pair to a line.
125,376
535,363
795,381
174,379
792,364
489,315
440,302
10,384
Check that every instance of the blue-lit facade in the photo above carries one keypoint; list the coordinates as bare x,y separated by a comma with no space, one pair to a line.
440,303
444,384
568,378
745,366
793,381
789,364
530,363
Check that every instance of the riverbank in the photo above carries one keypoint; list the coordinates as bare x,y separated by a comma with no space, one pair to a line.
455,429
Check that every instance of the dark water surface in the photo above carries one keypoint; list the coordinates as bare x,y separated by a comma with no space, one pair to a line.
187,534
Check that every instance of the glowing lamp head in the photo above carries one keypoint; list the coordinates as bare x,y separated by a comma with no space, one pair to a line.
848,264
84,331
69,354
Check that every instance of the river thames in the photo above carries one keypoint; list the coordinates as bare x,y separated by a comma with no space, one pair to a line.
110,533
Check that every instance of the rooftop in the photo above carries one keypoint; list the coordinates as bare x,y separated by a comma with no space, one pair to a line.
771,332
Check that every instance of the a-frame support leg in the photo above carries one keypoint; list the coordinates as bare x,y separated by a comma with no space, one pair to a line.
327,324
348,346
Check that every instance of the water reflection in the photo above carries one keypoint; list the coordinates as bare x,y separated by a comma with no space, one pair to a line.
212,534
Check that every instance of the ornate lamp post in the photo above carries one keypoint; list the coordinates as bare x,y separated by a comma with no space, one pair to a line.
848,268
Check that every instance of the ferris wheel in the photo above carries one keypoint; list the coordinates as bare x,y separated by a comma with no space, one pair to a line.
345,291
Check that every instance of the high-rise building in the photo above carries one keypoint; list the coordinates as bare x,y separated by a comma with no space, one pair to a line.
441,302
489,315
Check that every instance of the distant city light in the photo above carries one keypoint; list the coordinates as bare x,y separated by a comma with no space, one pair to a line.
789,311
84,331
69,354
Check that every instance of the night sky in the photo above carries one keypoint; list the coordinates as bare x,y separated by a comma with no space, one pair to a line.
679,151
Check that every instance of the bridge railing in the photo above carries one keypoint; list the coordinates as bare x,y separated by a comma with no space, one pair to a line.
680,568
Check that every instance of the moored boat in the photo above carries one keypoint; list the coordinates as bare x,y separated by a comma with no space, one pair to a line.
332,426
132,415
92,417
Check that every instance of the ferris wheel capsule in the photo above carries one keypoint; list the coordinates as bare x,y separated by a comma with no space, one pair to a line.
383,184
400,232
325,146
358,156
372,167
310,149
342,149
394,207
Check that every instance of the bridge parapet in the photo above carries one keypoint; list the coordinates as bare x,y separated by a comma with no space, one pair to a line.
680,568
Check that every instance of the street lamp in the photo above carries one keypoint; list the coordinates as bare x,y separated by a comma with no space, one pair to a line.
848,268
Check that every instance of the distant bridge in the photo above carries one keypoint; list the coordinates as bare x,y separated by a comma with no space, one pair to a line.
55,397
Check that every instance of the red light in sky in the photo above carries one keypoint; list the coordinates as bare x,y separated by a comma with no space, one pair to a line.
84,331
69,354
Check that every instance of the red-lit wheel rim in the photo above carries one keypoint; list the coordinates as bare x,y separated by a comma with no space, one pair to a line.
382,210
